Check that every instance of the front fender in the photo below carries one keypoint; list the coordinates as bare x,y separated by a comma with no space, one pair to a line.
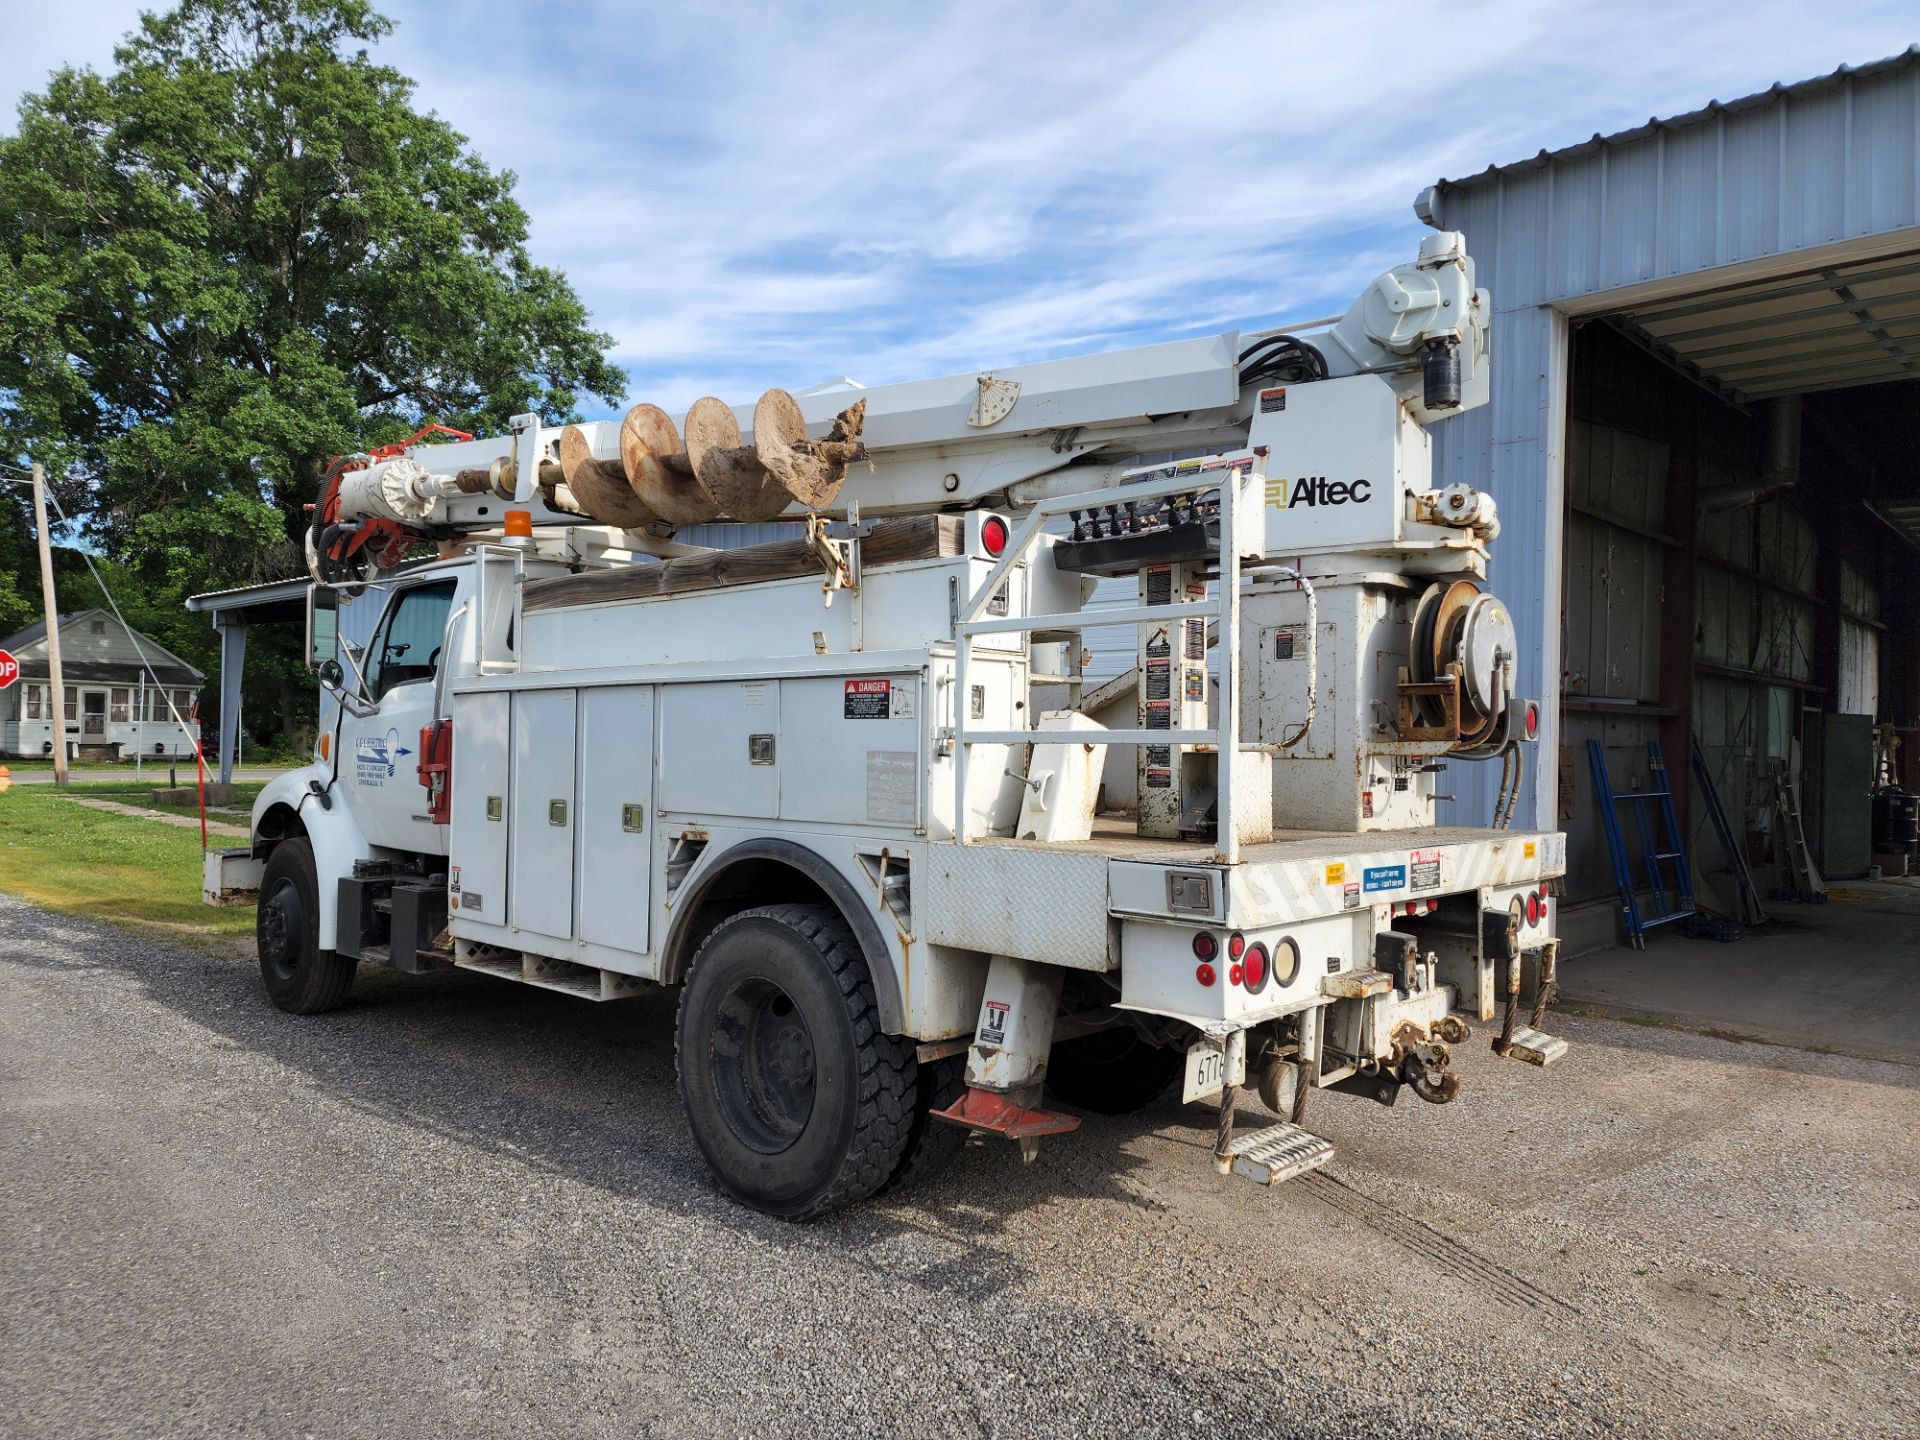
334,835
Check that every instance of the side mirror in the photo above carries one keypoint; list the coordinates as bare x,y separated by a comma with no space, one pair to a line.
331,674
323,629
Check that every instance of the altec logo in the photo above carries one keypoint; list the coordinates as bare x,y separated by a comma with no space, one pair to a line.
1283,494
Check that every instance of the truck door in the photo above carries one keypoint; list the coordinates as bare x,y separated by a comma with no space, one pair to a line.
380,749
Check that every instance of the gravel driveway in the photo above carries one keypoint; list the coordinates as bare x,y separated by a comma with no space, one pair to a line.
466,1208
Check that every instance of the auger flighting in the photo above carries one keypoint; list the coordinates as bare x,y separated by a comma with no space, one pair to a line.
707,474
373,506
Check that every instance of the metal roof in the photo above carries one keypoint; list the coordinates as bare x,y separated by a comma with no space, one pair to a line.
1713,109
273,600
1824,328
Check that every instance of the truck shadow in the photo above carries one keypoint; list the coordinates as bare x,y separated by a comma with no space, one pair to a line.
587,1093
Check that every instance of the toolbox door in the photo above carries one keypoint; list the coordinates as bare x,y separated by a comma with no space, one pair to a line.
540,814
615,806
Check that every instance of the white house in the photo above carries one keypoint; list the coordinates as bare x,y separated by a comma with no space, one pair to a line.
114,705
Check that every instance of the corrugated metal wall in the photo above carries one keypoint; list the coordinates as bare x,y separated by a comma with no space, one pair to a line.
1833,162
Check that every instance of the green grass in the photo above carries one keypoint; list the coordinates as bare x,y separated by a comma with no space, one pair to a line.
131,872
125,792
103,765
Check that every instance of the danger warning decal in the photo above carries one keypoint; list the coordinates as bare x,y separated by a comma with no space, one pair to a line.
1423,869
869,699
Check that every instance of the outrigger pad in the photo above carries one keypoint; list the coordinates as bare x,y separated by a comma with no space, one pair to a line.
997,1115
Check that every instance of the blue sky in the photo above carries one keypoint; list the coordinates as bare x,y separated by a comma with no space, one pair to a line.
750,195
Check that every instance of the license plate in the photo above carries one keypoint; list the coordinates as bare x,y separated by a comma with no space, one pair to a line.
1206,1072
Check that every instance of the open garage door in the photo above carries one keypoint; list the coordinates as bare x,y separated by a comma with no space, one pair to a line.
1743,533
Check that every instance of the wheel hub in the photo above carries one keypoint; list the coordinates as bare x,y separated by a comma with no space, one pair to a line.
764,1066
282,923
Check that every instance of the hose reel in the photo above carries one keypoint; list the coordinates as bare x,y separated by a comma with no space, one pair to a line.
1457,686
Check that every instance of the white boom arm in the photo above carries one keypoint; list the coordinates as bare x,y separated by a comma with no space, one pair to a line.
1011,436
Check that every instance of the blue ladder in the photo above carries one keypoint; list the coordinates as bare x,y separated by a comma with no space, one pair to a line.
1669,890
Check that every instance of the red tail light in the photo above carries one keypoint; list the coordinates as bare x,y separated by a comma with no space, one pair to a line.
993,535
1236,946
1257,968
1533,909
1235,975
436,768
1205,947
1203,972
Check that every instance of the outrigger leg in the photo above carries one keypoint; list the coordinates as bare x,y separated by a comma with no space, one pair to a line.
1007,1064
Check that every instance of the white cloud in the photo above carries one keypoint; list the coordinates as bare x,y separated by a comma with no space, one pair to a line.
767,194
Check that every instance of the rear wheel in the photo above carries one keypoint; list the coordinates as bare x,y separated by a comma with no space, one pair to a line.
932,1143
798,1102
1111,1072
300,977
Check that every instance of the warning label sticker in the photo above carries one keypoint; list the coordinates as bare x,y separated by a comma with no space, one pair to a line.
1350,896
869,699
1385,877
1423,870
993,1025
1273,401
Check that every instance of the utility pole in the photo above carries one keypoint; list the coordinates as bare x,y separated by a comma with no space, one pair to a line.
53,626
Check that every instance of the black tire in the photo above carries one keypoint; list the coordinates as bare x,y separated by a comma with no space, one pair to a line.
931,1143
301,978
1111,1072
798,1102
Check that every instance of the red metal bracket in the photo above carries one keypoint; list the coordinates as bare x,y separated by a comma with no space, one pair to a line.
387,452
997,1115
435,768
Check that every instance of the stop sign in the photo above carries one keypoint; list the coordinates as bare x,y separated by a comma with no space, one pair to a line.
9,669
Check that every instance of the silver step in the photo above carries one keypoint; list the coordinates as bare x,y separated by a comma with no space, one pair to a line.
1278,1153
1536,1047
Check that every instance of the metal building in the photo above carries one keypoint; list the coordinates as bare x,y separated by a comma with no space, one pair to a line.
1708,337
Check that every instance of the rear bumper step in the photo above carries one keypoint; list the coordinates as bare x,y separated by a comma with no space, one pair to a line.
1276,1153
1533,1046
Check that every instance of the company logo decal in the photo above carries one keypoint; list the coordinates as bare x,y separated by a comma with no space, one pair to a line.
1313,490
377,757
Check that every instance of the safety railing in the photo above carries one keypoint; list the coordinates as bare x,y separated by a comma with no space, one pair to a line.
1236,478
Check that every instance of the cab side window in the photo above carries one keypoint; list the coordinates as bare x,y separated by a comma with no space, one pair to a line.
410,636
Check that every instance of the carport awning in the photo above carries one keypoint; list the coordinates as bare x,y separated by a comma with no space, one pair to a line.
275,601
1822,329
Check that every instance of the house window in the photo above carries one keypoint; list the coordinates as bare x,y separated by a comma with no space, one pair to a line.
183,702
98,627
117,707
34,703
72,703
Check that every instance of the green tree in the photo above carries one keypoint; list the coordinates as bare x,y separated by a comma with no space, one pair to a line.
244,251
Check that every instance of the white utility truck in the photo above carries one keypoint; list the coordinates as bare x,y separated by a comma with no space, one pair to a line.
841,791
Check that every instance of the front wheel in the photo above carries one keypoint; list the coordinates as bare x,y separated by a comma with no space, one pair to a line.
301,978
798,1102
